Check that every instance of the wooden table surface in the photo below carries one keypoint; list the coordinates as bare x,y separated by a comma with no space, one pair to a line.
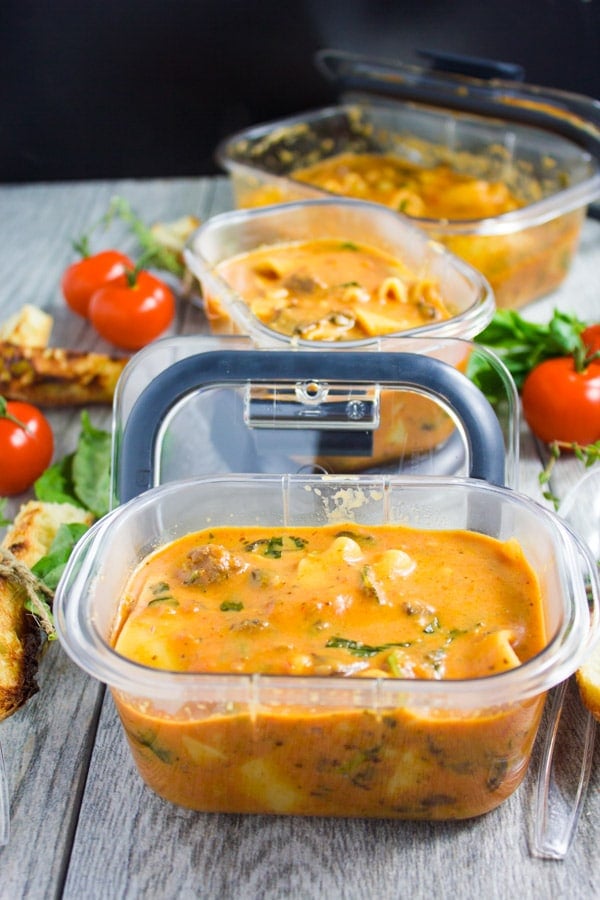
82,822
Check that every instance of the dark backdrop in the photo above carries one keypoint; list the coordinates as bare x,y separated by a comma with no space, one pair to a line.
110,88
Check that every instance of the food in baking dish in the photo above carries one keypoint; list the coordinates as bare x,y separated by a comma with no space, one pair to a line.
349,600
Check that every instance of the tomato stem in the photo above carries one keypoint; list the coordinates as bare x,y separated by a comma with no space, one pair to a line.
583,357
82,246
132,275
5,414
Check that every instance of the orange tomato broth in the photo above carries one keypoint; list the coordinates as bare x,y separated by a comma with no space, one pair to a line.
328,289
520,266
356,601
432,192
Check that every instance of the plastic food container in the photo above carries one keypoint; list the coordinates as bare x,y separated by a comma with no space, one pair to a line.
375,746
542,144
465,293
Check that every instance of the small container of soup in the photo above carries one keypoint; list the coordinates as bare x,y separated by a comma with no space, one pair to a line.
282,640
500,172
363,646
332,271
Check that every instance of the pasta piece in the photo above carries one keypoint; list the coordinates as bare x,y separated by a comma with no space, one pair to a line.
408,202
263,782
201,753
354,293
494,653
393,289
373,323
269,269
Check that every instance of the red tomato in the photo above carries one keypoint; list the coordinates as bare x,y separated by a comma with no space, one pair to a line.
562,404
130,316
26,446
84,277
591,338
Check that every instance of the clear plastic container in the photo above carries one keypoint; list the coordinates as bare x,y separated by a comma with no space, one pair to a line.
204,732
543,145
466,293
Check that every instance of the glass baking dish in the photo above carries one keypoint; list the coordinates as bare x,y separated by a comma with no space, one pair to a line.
541,144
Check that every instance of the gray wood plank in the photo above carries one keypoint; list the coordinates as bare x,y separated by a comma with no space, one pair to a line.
46,748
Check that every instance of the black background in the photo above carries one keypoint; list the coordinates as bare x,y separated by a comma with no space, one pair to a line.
111,88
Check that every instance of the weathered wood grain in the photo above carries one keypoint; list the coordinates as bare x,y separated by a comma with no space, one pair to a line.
84,825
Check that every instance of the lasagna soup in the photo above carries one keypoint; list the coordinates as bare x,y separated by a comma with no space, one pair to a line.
330,290
436,192
354,602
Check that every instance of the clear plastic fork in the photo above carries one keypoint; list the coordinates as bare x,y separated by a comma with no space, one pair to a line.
560,793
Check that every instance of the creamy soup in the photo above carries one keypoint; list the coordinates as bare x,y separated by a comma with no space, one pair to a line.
331,290
384,602
437,192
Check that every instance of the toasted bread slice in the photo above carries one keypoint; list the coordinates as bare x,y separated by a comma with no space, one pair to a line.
173,235
55,377
21,638
30,326
588,680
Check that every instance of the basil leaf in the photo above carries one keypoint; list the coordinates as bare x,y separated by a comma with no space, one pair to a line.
55,485
83,477
50,567
91,468
521,345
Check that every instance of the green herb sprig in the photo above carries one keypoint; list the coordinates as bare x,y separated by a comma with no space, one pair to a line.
588,455
522,345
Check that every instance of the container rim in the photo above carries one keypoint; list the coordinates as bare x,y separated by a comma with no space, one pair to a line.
455,83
